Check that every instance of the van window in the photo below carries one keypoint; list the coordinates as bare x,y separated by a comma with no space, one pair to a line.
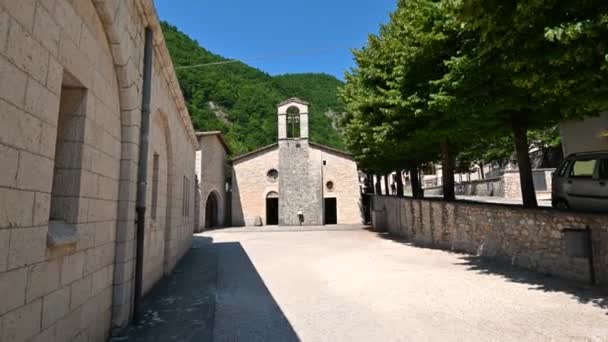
561,171
603,174
583,168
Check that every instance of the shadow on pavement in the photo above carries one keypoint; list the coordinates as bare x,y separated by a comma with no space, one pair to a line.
245,309
581,292
214,294
181,306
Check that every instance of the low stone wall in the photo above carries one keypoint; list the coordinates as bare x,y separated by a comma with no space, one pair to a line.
539,240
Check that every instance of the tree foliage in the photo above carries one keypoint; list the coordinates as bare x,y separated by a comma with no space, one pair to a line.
474,76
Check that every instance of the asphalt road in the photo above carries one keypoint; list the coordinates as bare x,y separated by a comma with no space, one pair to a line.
355,285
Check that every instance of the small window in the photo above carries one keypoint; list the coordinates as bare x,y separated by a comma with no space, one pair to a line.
155,164
272,175
583,168
603,173
186,198
293,122
330,185
561,171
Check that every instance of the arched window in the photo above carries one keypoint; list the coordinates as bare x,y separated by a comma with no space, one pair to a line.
293,122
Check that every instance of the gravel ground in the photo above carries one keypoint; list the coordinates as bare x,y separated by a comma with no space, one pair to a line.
356,285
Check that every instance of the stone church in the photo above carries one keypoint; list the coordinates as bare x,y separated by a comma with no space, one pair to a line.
294,181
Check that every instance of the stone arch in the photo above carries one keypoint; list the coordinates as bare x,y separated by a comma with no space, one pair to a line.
114,18
212,210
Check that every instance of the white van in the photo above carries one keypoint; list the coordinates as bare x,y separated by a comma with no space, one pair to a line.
581,183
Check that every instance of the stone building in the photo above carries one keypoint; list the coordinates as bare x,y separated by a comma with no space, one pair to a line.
211,167
71,105
295,181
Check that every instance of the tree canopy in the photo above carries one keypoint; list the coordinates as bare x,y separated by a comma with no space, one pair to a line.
453,76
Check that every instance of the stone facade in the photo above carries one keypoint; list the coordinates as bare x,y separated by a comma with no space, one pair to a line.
304,170
211,161
533,239
250,185
590,134
70,107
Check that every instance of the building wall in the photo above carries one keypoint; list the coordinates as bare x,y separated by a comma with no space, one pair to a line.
585,135
535,239
343,173
250,186
299,184
212,176
75,291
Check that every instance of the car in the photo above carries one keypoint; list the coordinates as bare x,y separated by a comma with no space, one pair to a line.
581,183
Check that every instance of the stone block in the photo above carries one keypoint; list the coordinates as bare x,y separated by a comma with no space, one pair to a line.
41,102
22,11
54,77
10,74
12,289
26,53
55,306
4,243
72,268
80,291
23,323
69,20
86,235
102,279
42,208
4,25
47,335
16,208
48,140
104,232
98,257
19,129
27,246
35,172
9,159
69,326
46,30
42,279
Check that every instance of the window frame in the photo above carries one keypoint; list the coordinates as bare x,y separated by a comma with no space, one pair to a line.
593,172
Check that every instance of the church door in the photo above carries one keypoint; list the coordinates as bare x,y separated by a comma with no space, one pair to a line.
272,211
331,211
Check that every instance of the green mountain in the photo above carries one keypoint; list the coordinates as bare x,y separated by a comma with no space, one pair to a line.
240,100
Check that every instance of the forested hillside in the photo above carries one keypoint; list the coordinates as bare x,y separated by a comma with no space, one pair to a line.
241,101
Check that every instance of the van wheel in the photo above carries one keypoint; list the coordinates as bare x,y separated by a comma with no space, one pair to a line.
561,204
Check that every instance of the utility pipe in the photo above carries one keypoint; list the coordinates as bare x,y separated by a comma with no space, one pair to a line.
142,172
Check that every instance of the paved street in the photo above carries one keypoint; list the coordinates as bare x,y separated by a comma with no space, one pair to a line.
356,285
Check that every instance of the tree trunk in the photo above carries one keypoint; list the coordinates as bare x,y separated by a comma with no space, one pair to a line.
378,186
417,191
483,173
448,164
520,139
387,191
399,181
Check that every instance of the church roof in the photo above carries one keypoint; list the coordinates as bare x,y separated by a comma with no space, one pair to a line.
271,146
292,100
254,152
219,135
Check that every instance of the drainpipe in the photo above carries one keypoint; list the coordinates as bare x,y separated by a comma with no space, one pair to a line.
142,173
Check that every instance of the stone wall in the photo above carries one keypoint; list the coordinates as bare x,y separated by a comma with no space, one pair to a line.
83,59
250,186
299,184
342,172
533,239
212,177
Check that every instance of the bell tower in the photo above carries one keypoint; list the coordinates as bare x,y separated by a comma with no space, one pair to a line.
300,195
293,119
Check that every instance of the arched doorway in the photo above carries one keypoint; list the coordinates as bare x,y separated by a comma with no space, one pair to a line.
211,211
272,209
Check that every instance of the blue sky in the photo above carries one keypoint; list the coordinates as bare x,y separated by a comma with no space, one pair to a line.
280,36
